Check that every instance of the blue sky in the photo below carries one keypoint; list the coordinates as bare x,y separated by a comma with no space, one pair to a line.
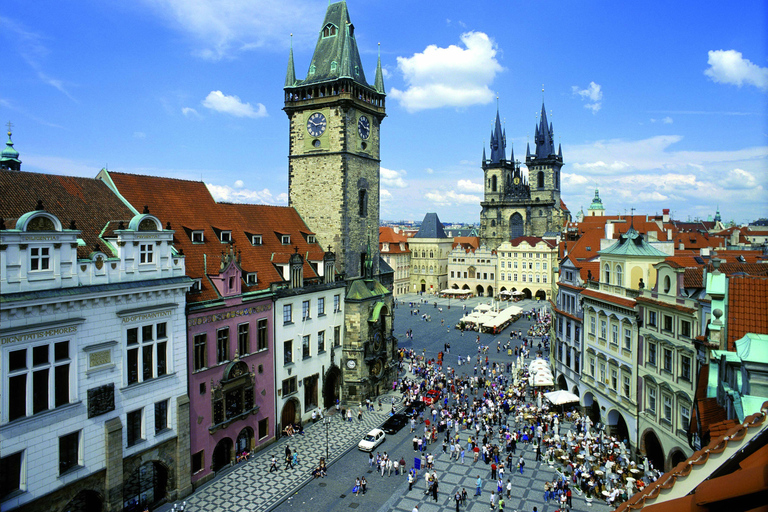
659,104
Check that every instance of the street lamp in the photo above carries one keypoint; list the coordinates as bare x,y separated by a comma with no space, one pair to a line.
327,423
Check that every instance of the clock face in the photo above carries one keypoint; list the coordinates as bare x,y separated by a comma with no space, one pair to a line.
316,124
377,368
363,127
517,180
377,341
351,363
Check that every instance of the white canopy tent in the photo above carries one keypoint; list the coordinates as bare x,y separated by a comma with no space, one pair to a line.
561,397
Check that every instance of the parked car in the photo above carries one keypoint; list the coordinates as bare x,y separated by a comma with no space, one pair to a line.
431,397
395,423
371,440
414,408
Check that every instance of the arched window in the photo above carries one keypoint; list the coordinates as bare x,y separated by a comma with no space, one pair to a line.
607,271
493,184
363,202
619,276
540,179
493,223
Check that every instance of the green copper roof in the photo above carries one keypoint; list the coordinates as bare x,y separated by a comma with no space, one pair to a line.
360,289
597,203
632,243
290,75
336,55
9,153
753,347
379,83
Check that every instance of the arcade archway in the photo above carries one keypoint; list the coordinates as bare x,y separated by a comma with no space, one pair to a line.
222,454
591,408
618,426
653,449
527,293
479,291
290,413
676,457
541,295
244,442
146,487
331,387
561,383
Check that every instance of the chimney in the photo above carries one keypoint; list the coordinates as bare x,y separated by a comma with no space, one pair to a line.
665,215
704,251
609,230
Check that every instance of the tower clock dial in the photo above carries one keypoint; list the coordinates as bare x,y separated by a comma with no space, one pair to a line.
351,364
363,127
316,124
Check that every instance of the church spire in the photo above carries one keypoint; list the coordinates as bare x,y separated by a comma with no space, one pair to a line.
379,82
290,75
544,136
498,142
9,158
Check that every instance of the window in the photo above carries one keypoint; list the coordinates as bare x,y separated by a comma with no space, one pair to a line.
161,416
592,366
685,417
337,336
615,334
668,408
69,452
515,264
652,318
305,347
198,461
222,345
10,474
133,427
257,240
287,314
311,239
287,352
627,338
668,359
243,339
667,323
305,310
685,368
524,278
146,352
592,324
39,258
602,373
619,275
685,328
289,386
652,353
226,237
603,329
320,306
262,333
38,379
544,266
362,202
263,428
200,351
652,399
321,341
614,379
145,253
197,237
336,303
515,276
544,279
285,239
607,273
626,385
252,278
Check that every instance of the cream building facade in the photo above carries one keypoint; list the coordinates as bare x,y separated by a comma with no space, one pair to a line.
430,249
472,270
529,265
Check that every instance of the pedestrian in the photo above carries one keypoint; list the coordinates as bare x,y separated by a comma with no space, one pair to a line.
457,499
360,413
356,490
434,489
521,464
479,486
349,415
364,485
501,503
273,464
295,460
509,488
493,501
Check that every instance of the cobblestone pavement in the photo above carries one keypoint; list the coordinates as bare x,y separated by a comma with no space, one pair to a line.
250,487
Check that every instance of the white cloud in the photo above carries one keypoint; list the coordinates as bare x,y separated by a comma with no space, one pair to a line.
139,135
738,179
232,105
667,120
393,178
449,77
469,186
449,197
225,193
429,170
593,95
189,112
730,67
225,27
385,195
239,184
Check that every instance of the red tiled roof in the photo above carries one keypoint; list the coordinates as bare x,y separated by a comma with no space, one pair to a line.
663,304
188,205
720,428
562,205
467,242
747,307
613,299
87,201
739,482
394,239
531,240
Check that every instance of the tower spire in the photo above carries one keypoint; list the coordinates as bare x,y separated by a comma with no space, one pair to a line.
9,158
290,75
498,142
379,82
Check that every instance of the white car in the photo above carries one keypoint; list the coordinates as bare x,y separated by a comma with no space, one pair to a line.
371,440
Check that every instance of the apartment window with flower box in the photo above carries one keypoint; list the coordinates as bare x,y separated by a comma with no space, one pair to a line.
147,352
38,379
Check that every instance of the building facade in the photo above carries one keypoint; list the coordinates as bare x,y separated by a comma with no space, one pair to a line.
95,414
528,265
472,270
395,250
430,248
568,328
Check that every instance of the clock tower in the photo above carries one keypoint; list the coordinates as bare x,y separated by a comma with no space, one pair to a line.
334,159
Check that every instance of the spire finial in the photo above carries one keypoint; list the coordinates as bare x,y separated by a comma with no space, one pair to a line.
291,40
379,49
9,125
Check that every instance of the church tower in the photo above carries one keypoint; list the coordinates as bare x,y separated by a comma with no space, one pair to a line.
334,159
544,174
9,158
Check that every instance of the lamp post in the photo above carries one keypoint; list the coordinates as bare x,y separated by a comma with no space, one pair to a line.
327,423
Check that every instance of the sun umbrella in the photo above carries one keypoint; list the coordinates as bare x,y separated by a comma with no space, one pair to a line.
561,397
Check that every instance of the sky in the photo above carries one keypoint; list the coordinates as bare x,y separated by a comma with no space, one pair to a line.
657,104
